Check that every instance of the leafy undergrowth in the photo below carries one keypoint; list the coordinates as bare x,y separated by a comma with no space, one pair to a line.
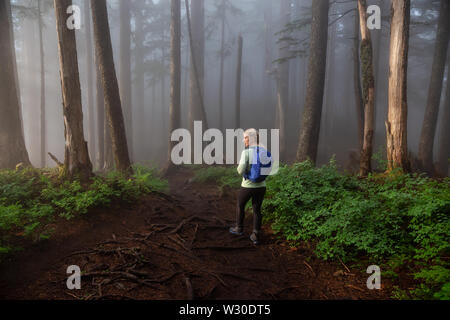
223,177
399,219
31,199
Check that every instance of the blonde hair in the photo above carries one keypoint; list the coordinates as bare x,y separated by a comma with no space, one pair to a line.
252,135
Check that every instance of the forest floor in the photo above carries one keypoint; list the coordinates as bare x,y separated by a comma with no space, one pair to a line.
176,247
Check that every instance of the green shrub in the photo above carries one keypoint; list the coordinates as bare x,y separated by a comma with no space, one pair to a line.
31,198
384,216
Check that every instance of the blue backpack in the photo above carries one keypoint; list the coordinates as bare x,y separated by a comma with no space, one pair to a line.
263,161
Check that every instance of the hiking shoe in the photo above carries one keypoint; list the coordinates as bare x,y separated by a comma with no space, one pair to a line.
236,231
254,238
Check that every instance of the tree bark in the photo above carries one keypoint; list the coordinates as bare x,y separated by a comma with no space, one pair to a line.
12,143
444,141
76,161
435,90
239,82
100,117
310,129
104,53
43,133
125,70
283,80
196,30
359,104
90,82
396,124
366,53
175,75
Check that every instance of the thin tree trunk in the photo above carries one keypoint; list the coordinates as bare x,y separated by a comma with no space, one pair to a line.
444,141
175,75
125,71
366,53
310,129
283,80
396,124
100,117
90,81
435,90
239,82
43,134
222,62
12,143
140,83
359,105
197,43
268,58
76,160
104,53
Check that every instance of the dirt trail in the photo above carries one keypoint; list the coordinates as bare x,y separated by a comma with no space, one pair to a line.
176,247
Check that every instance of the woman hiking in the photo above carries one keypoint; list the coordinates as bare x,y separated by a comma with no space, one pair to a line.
253,184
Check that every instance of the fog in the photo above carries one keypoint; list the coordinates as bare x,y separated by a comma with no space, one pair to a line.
259,22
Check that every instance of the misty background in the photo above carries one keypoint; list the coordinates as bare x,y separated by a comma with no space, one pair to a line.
260,23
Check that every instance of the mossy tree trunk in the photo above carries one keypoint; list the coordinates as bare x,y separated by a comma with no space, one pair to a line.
368,80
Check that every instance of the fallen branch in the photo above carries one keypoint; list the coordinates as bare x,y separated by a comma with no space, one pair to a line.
309,267
59,163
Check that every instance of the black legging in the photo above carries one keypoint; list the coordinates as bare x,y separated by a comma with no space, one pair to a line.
257,196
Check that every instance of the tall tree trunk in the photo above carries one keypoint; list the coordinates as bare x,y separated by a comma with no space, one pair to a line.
43,134
222,62
396,124
76,160
238,82
366,53
109,152
90,81
359,105
268,59
310,129
435,90
104,53
125,70
100,117
139,102
196,28
444,141
283,80
329,96
12,143
175,75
